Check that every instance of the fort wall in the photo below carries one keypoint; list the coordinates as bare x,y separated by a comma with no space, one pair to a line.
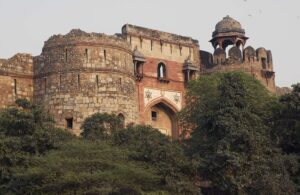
139,75
258,63
80,74
16,79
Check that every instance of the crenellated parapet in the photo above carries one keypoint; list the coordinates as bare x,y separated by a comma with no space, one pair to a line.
257,62
235,56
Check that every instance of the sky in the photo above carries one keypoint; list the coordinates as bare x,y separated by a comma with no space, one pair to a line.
272,24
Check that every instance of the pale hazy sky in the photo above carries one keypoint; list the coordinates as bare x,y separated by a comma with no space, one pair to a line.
273,24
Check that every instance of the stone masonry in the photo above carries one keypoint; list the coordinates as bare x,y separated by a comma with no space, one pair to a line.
139,75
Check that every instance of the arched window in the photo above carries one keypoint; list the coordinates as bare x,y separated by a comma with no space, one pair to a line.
161,70
122,119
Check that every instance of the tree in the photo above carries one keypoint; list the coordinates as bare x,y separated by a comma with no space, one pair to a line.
100,126
154,148
229,117
287,121
25,131
286,130
86,167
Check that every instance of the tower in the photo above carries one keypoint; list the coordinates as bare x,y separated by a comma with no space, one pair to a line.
258,63
79,74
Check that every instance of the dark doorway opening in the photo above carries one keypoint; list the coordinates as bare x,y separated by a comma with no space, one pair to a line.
69,123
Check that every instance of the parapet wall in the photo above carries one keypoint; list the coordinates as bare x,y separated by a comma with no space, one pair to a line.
158,35
20,64
258,63
161,45
77,36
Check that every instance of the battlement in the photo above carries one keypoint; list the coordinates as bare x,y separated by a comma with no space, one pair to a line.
258,63
129,29
79,37
261,58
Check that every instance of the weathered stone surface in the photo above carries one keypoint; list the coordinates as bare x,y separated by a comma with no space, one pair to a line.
140,75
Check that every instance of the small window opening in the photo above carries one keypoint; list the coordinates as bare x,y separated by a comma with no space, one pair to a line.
97,80
130,40
154,115
69,123
87,55
120,81
141,42
78,80
66,55
171,48
161,70
104,53
151,45
180,50
139,68
45,85
15,86
60,81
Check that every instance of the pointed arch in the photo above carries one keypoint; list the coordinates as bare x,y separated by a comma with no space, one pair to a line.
161,114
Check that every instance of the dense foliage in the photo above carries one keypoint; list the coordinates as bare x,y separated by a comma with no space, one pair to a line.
37,158
85,167
230,118
286,129
100,126
238,139
153,148
25,131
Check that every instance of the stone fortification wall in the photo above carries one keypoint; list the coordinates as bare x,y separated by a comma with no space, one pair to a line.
257,62
80,73
16,79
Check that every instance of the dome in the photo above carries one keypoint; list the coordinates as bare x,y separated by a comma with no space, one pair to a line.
228,27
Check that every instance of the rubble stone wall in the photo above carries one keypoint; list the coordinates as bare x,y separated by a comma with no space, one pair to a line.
79,77
16,79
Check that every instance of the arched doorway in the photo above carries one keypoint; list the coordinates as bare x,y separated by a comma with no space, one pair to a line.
161,116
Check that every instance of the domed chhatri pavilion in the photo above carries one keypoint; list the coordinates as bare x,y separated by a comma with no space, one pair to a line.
228,32
140,75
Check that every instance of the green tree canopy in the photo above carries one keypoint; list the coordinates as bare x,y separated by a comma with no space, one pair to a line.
151,147
100,126
85,167
286,130
25,130
229,118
